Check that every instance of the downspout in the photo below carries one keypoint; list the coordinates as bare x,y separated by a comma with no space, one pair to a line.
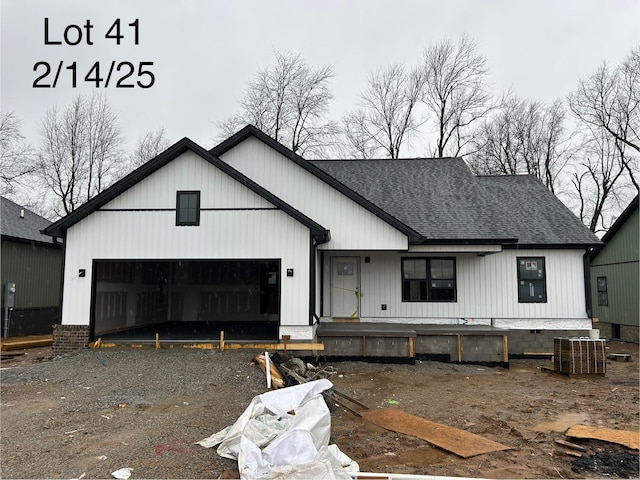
586,263
62,269
312,280
321,283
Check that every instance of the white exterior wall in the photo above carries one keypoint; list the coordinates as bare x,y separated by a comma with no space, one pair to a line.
222,234
487,291
352,226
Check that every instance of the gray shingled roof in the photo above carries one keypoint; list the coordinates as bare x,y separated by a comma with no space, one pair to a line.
27,228
443,201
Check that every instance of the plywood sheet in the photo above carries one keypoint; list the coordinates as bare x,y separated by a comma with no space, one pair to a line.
623,437
462,443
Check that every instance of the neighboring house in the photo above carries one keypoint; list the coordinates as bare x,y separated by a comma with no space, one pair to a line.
614,278
33,262
254,240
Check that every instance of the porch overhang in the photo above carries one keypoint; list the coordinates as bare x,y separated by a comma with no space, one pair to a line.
474,249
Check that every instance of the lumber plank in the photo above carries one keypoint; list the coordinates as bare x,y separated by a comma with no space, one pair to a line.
276,378
627,438
462,443
275,346
26,342
564,443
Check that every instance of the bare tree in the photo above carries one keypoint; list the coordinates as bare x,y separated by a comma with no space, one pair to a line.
290,102
607,108
80,153
455,92
387,114
523,137
599,181
16,155
149,146
610,99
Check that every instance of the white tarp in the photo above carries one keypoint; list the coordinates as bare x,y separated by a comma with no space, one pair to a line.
285,434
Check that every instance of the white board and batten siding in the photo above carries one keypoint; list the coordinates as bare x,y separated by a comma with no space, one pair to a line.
487,291
352,226
140,225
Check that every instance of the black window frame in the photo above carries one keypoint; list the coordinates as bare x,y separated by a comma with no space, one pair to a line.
603,291
427,289
180,195
539,283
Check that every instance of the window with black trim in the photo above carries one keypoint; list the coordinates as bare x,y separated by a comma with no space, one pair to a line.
429,280
603,294
188,208
532,282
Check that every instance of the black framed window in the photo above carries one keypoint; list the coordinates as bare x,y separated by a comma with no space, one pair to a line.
188,208
429,280
532,282
603,294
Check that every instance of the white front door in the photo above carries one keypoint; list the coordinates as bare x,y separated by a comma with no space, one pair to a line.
345,287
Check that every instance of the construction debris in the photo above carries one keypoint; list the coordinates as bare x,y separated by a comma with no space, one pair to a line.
122,474
462,443
622,437
564,443
274,374
282,434
620,357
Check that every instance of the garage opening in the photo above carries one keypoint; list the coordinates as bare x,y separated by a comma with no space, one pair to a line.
186,300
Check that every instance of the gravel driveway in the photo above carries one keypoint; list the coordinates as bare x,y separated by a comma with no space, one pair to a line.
89,414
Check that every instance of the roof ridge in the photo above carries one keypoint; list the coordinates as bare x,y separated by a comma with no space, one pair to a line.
404,159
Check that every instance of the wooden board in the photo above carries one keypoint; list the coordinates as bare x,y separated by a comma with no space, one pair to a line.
462,443
623,437
19,343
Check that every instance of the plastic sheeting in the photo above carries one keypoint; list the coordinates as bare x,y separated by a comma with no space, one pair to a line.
285,434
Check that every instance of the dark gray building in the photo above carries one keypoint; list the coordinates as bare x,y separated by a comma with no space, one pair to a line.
615,278
33,263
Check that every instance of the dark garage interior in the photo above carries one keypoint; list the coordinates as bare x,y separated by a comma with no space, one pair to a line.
185,300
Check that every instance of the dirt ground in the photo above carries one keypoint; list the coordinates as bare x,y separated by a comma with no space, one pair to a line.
89,414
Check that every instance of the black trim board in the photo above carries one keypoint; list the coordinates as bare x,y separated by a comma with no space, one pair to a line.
58,228
617,225
251,131
53,244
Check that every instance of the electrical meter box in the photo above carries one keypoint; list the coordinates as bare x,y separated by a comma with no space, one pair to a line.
9,294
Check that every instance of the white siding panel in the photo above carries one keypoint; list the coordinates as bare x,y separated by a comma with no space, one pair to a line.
188,172
487,288
352,226
244,234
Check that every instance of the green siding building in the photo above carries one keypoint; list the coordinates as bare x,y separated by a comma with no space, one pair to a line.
615,279
33,262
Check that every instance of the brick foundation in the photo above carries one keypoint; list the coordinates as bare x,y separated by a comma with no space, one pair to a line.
69,338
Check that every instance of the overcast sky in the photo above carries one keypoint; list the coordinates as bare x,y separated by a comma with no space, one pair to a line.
205,51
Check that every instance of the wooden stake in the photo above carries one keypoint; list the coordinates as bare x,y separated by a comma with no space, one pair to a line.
505,349
222,340
412,349
157,340
459,348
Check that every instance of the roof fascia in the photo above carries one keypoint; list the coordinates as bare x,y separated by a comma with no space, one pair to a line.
617,225
555,246
467,241
320,233
52,244
251,130
58,228
624,216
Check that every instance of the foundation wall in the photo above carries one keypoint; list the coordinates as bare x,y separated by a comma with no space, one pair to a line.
69,338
